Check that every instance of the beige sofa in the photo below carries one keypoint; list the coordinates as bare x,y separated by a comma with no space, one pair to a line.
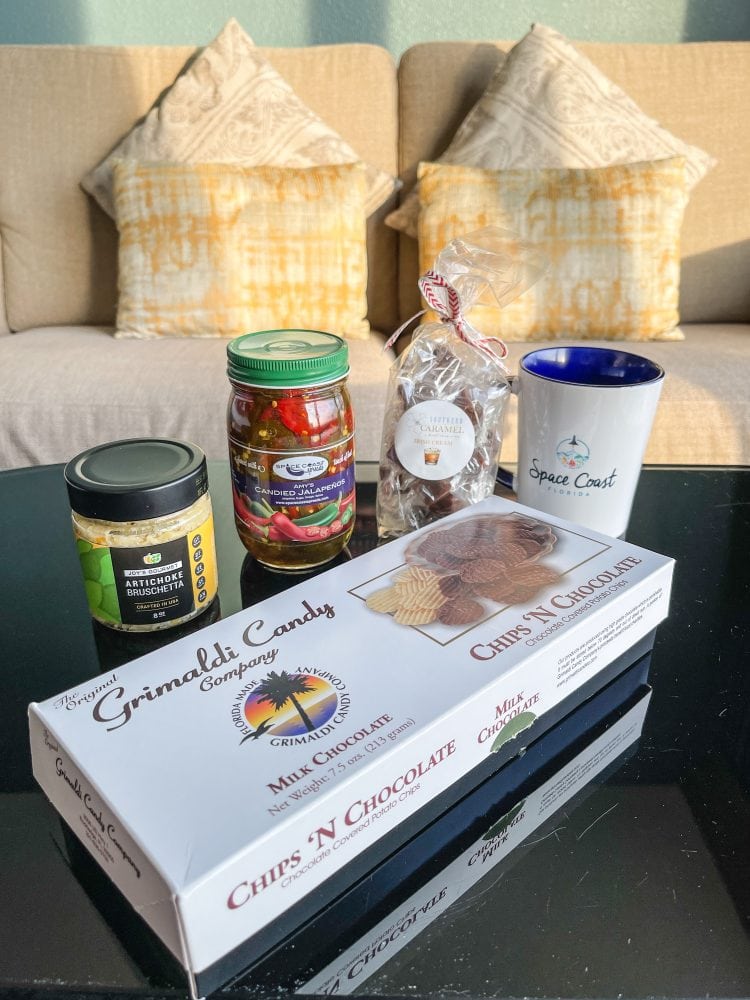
66,383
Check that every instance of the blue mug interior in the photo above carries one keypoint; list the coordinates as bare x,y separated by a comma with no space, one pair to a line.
595,366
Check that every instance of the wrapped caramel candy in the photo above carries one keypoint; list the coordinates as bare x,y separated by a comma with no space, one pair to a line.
448,391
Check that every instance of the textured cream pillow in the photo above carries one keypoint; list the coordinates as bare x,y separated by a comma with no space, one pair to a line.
547,105
611,234
231,106
212,250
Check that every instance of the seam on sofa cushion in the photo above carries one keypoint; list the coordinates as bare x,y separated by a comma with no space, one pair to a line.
4,325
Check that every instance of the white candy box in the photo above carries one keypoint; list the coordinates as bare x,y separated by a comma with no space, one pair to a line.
224,781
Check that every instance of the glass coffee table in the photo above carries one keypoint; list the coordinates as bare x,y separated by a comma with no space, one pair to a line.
639,888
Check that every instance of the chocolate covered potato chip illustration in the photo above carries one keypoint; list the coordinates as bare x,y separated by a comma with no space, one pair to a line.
534,575
452,585
458,576
482,561
460,611
481,570
499,591
414,597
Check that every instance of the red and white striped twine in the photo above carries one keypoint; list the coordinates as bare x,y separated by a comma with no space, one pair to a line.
442,298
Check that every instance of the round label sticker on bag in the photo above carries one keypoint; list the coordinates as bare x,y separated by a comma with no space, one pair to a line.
434,439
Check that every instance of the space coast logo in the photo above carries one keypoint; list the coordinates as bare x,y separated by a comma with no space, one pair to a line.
301,467
289,708
573,454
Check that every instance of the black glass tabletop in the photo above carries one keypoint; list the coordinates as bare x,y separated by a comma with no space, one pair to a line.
633,881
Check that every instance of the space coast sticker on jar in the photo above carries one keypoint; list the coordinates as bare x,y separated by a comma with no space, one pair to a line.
312,479
434,439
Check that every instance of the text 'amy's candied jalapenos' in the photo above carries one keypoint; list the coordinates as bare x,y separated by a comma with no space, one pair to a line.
291,446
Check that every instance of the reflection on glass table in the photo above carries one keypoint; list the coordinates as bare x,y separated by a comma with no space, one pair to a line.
444,869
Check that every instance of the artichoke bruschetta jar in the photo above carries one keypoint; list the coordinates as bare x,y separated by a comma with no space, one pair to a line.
144,532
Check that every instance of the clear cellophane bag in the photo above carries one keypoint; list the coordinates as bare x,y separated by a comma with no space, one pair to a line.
447,392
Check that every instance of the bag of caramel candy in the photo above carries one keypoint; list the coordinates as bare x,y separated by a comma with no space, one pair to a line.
447,392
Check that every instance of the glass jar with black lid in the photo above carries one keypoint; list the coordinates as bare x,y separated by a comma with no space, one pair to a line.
144,532
291,446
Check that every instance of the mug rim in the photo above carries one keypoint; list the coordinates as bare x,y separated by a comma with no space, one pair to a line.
582,348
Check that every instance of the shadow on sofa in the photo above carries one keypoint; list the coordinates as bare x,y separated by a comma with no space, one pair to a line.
727,267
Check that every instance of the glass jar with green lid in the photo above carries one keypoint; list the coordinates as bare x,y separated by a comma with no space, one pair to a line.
291,446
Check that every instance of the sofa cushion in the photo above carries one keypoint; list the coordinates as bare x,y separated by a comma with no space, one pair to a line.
64,107
610,234
106,389
217,249
100,389
697,91
229,105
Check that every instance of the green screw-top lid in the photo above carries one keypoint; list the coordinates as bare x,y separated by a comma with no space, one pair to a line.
287,357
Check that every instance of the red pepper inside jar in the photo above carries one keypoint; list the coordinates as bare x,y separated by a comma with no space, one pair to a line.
291,446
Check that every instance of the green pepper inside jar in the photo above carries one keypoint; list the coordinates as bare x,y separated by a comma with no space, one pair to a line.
291,446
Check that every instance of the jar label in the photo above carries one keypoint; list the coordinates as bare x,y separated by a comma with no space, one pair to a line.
434,439
281,479
294,497
150,584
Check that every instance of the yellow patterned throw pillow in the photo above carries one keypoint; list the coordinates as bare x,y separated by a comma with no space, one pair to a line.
215,250
612,235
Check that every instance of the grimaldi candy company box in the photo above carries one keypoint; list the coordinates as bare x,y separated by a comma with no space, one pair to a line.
224,779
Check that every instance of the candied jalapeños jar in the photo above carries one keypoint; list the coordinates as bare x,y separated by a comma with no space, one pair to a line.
291,446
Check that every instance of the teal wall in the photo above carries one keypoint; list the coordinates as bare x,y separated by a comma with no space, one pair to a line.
395,24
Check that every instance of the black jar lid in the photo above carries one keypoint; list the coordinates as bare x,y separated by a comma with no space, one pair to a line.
136,479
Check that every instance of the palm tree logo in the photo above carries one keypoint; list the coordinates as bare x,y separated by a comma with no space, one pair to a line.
278,689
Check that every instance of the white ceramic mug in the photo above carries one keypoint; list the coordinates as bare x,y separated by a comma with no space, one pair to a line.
584,418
